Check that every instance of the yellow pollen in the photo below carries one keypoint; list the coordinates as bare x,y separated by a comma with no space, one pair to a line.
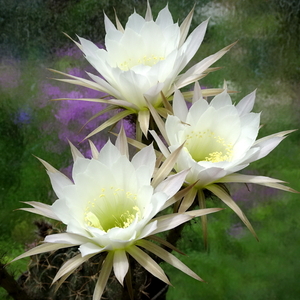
207,146
112,208
92,220
147,60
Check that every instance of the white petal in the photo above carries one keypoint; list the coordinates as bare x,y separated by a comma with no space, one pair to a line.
108,24
221,100
172,184
169,258
70,266
121,265
66,238
109,154
90,248
145,157
171,221
179,106
103,277
246,104
41,249
41,209
148,263
164,18
194,41
135,22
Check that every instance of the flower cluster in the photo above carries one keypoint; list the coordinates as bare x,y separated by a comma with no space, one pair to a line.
115,204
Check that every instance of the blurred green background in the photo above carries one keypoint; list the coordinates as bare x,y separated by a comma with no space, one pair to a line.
266,57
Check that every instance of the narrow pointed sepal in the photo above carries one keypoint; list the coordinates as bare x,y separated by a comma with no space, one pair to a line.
103,277
225,197
168,257
148,263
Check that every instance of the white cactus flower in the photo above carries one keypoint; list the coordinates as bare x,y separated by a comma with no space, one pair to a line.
219,140
111,206
142,62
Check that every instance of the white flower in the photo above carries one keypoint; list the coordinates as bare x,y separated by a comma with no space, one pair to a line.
142,62
110,206
219,140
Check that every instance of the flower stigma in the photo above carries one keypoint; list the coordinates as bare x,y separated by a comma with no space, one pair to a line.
112,208
207,146
147,60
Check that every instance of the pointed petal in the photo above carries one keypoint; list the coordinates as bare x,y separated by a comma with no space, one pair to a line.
167,109
197,95
58,179
46,247
121,142
41,209
75,152
261,180
121,265
164,150
109,25
166,167
221,194
194,41
179,106
145,157
148,263
118,23
278,134
116,118
165,243
246,104
189,76
94,150
159,122
188,200
182,193
172,184
103,277
185,26
66,238
143,119
202,212
170,221
202,205
103,111
105,86
168,257
70,266
148,16
79,81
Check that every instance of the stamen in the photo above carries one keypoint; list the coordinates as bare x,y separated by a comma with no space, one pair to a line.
150,61
207,146
112,208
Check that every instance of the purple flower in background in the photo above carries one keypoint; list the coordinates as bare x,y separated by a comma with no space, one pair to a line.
71,115
22,117
66,120
72,51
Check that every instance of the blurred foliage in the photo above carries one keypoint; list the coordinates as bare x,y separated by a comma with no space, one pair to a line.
33,28
268,41
237,266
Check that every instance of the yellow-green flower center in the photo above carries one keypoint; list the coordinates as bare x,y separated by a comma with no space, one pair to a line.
112,208
208,146
147,60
